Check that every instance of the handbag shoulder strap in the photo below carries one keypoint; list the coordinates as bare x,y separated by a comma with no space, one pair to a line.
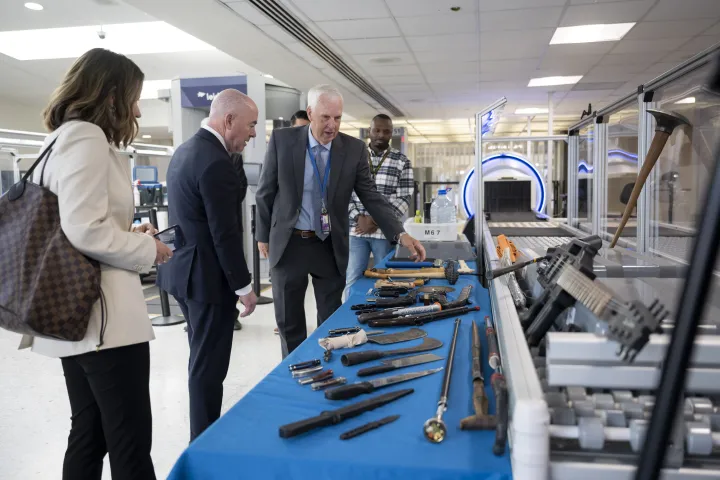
40,158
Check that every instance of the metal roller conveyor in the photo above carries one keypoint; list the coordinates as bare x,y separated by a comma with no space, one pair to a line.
582,428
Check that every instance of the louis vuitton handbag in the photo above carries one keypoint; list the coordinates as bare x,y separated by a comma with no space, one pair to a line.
47,287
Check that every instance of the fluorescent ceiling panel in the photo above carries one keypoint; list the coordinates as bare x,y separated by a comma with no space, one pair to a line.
551,81
125,38
686,100
591,33
530,111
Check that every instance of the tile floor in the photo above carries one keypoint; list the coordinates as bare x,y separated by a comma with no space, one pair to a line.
34,410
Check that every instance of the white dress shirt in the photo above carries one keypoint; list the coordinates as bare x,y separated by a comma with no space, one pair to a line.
247,289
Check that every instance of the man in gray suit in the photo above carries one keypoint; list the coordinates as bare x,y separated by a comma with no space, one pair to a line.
302,223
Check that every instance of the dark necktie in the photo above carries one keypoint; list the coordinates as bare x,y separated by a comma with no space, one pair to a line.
317,194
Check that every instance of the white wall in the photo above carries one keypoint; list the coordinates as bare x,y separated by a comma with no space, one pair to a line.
155,114
14,116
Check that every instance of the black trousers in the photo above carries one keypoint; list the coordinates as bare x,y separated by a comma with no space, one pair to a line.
109,395
303,257
210,335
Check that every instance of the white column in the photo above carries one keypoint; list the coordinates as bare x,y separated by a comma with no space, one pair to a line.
254,153
528,151
185,122
550,158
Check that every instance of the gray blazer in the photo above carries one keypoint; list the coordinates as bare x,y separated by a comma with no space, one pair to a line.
279,193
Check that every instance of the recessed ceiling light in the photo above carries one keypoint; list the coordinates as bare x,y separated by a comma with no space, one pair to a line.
147,136
71,42
550,81
530,111
686,100
611,32
34,6
267,75
385,60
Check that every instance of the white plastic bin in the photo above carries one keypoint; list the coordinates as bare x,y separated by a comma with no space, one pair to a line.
440,232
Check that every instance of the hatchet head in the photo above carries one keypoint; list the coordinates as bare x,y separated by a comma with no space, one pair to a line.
667,121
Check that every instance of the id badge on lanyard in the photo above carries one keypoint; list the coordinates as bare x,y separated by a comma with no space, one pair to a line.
324,219
324,216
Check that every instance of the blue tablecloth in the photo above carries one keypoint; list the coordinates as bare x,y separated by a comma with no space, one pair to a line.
244,443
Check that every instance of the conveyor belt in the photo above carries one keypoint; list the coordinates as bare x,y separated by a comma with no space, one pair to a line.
613,263
527,231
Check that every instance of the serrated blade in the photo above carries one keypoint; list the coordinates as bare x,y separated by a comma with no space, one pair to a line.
404,377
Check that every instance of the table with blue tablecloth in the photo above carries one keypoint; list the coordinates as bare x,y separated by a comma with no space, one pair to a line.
244,443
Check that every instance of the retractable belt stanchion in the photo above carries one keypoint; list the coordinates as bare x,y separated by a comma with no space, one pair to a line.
165,319
256,263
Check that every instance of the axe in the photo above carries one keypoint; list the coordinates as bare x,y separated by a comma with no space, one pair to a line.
665,124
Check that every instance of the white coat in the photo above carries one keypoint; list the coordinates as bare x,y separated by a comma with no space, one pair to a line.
93,185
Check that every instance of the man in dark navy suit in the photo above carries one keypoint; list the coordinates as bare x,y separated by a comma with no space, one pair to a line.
237,160
208,272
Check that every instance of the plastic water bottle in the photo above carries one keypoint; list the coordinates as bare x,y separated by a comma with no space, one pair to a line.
442,209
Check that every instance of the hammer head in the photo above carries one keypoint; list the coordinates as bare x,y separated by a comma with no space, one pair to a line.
667,121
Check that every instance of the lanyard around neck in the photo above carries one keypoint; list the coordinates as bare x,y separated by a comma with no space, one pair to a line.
374,170
321,182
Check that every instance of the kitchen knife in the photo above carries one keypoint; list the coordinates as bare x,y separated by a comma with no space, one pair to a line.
390,365
354,389
355,358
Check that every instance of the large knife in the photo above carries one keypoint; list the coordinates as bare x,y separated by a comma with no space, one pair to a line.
333,417
354,389
355,358
390,365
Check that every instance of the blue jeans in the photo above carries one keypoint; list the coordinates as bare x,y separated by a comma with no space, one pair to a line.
359,258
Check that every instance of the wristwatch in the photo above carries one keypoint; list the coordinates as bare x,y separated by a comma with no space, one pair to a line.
399,235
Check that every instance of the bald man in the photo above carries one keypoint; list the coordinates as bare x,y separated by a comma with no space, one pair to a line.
208,272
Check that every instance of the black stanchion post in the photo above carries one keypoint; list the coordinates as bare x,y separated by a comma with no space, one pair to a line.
256,263
165,319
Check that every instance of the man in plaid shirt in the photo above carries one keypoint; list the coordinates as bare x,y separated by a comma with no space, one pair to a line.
393,175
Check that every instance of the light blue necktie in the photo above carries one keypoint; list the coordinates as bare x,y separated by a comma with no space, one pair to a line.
317,193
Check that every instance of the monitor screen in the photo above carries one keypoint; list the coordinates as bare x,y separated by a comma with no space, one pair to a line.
252,172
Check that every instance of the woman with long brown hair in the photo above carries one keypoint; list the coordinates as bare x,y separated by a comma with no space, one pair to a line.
93,112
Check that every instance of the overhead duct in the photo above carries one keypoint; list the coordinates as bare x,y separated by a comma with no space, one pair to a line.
285,20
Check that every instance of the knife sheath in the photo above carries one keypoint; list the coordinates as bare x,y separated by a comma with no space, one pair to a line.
356,358
368,427
390,338
334,417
